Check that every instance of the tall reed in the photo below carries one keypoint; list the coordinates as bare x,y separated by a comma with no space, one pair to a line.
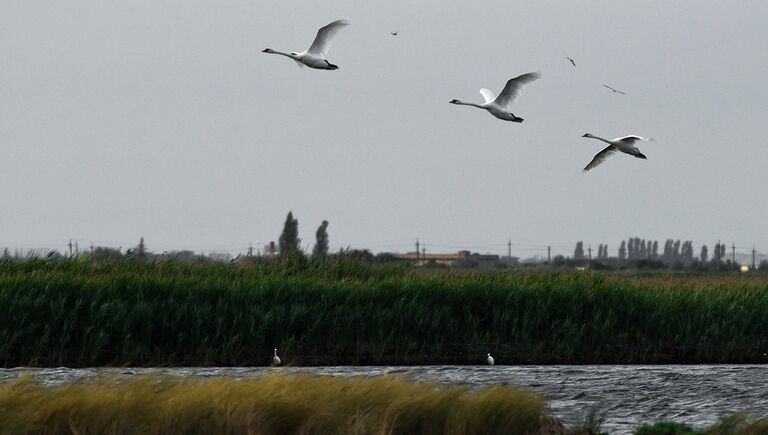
74,313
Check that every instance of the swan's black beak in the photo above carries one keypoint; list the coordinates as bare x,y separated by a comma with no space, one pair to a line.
454,101
266,50
585,135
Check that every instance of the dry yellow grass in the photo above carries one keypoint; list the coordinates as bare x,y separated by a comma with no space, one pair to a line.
273,404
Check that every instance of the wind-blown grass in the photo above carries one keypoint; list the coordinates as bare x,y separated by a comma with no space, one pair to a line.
296,404
275,404
75,313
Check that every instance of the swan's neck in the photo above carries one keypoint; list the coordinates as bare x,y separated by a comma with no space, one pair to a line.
281,53
600,138
461,103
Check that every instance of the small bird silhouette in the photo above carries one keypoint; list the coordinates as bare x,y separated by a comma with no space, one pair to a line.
395,33
572,61
615,90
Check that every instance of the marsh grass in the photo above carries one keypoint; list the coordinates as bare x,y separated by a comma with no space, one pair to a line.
278,404
736,424
272,404
343,312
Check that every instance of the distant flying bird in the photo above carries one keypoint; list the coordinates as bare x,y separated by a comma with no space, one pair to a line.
489,360
276,359
395,33
500,106
624,144
315,55
614,90
572,61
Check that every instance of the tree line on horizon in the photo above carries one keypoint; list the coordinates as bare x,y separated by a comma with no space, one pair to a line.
632,252
676,254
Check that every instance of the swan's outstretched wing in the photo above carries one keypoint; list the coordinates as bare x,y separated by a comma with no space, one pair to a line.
600,157
631,139
322,41
513,86
487,95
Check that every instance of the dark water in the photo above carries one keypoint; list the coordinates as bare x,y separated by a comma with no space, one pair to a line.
627,395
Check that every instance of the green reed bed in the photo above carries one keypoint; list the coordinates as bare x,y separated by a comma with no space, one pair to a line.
274,404
735,424
75,313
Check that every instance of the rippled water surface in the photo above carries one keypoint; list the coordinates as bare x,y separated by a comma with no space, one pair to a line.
627,395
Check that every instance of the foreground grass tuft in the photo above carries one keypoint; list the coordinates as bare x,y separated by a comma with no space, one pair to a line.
273,404
736,424
668,428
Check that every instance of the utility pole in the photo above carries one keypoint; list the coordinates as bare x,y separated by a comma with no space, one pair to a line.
549,256
753,258
424,252
417,249
733,255
91,248
77,248
509,250
70,247
590,251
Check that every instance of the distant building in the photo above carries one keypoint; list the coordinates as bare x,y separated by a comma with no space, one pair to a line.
485,260
458,259
422,258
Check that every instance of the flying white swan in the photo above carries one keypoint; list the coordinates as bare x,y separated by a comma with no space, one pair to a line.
275,359
624,144
315,55
489,360
500,106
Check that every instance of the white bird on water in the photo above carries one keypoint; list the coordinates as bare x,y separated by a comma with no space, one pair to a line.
500,106
276,359
489,360
625,144
315,55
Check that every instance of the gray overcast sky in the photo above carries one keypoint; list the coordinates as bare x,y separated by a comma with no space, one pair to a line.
162,119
